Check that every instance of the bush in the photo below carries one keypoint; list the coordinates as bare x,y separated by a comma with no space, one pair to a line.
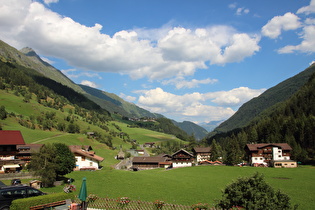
253,193
26,203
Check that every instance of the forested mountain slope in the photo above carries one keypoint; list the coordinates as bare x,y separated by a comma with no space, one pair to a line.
253,108
114,103
291,121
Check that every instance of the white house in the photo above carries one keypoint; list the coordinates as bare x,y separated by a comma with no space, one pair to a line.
182,158
270,154
85,158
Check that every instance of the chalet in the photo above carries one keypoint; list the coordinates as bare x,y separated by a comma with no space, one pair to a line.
85,158
141,163
182,158
8,150
202,153
270,154
25,151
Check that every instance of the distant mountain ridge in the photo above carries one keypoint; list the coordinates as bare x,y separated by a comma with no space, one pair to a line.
256,106
191,128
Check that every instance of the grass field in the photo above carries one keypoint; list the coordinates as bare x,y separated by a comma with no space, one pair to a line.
193,184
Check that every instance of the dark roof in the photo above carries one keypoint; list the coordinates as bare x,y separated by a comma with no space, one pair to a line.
11,138
30,147
182,150
202,149
255,147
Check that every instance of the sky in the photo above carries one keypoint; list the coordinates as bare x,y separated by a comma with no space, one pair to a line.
189,60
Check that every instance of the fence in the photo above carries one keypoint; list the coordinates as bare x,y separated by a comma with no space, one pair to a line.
111,204
20,175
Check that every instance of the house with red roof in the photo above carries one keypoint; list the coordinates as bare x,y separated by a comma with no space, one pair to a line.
86,159
9,139
270,154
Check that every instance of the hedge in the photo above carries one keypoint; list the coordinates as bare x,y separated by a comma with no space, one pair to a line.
26,203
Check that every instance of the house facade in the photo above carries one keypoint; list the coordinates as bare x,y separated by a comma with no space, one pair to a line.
270,154
182,158
143,163
85,158
202,153
9,139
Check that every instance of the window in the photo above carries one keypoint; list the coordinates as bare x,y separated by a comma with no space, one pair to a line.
82,158
91,163
261,158
33,192
279,156
255,158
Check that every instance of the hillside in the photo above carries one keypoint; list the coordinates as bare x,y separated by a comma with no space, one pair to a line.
291,121
253,108
114,103
192,129
108,101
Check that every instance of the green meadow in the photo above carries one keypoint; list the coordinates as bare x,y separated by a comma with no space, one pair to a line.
193,184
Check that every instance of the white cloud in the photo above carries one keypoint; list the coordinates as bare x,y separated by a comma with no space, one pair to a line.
50,1
89,83
196,105
73,73
241,11
234,97
127,98
273,28
307,9
181,83
47,60
306,46
29,23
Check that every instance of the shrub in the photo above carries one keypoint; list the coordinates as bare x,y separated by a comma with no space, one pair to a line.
26,203
253,193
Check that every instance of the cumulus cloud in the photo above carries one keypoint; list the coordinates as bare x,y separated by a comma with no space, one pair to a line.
201,106
127,98
30,23
89,83
306,46
307,9
73,73
194,83
277,24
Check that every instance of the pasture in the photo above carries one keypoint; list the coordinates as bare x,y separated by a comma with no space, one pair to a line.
192,185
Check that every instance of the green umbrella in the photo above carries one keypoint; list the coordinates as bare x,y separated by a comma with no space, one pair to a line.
83,193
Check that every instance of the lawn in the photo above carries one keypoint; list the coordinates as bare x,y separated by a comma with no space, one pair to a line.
194,184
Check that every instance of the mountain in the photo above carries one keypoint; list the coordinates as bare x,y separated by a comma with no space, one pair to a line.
253,108
210,126
114,103
28,58
192,129
291,121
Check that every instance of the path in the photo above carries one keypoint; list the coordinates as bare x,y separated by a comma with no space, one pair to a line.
55,136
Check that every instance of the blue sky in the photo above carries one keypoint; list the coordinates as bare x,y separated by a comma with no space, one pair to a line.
195,60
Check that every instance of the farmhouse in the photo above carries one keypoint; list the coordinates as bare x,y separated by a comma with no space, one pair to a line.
85,158
270,154
202,153
182,158
141,163
8,151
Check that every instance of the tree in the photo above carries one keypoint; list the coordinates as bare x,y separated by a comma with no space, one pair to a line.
253,193
64,158
3,113
216,151
44,164
233,152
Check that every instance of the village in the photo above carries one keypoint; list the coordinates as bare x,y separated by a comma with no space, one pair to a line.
15,155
